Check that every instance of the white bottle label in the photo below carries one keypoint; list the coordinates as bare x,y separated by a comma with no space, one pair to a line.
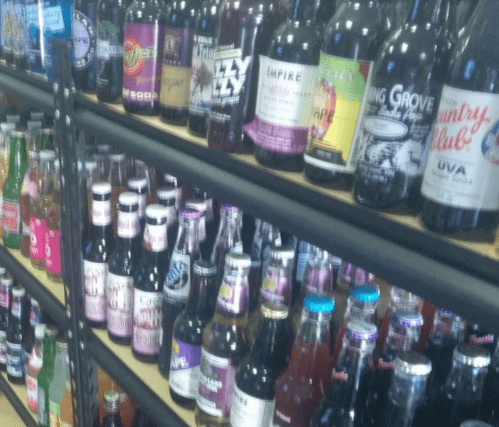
128,225
184,369
95,288
155,238
119,305
248,411
463,164
101,212
146,321
178,280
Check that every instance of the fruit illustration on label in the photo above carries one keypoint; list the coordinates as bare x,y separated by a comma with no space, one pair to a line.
175,348
225,291
327,97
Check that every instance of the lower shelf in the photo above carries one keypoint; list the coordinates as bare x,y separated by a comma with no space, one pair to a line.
17,413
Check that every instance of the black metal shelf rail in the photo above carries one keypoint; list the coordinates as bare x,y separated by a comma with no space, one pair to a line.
16,403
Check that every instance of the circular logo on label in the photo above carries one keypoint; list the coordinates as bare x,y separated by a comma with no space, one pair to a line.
47,251
269,284
84,40
33,239
225,291
490,145
175,348
133,62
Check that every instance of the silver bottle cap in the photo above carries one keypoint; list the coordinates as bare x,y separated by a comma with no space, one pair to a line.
472,355
413,363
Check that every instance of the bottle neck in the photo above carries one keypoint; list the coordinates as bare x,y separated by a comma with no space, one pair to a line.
17,159
408,392
265,352
187,237
401,339
46,185
465,381
276,285
358,310
128,230
314,326
17,309
233,295
424,12
201,301
155,237
49,350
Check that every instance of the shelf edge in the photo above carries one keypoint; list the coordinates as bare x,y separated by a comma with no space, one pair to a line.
13,398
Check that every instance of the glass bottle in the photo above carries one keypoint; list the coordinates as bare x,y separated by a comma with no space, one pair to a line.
35,318
302,255
177,61
482,336
58,384
35,363
144,34
173,182
5,129
8,17
33,127
407,389
118,177
203,60
166,197
112,406
6,285
489,406
53,264
352,39
20,37
91,176
148,284
207,226
351,275
225,344
265,236
109,49
121,269
144,170
12,190
96,252
282,118
254,390
15,336
178,281
39,208
307,378
85,44
46,374
188,335
29,190
465,10
138,185
45,139
103,165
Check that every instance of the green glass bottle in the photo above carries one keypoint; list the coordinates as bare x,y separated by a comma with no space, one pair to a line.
46,374
45,139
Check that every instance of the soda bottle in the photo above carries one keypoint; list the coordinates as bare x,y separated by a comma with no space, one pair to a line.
14,339
121,268
35,36
6,284
35,318
139,185
112,406
53,264
188,335
201,207
8,30
301,261
178,281
20,36
148,282
118,177
465,10
406,393
225,344
144,40
33,127
351,275
406,86
166,197
489,406
109,49
211,223
58,384
203,59
228,237
144,170
282,117
5,129
35,363
307,376
12,190
351,378
29,190
96,253
67,418
254,390
478,335
352,39
265,236
177,61
172,182
85,44
244,32
46,374
39,208
45,139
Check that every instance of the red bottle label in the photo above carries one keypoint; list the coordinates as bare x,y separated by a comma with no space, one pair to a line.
11,217
37,236
53,251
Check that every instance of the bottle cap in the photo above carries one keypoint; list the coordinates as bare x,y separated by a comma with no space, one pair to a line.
197,205
230,211
172,180
18,291
189,214
364,331
102,188
103,148
474,423
156,211
236,260
285,252
137,183
128,198
112,399
204,268
365,293
47,131
471,355
3,271
62,343
51,330
90,165
34,302
7,126
319,304
412,363
40,331
407,319
17,134
274,310
47,155
167,194
117,157
7,281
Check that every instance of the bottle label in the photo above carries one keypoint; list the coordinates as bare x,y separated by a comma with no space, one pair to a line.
283,104
318,281
20,30
15,359
177,67
128,225
119,296
34,316
216,384
203,60
384,365
84,40
101,213
184,369
146,322
178,280
303,256
275,287
155,238
16,308
32,388
4,299
233,296
463,164
248,411
37,238
141,62
42,411
108,41
54,414
95,288
337,110
54,18
53,251
11,217
3,347
481,340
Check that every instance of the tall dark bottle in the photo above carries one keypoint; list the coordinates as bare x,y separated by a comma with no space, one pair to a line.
285,88
352,39
244,33
166,197
96,253
266,235
148,283
35,318
6,284
144,39
177,61
178,281
402,104
254,390
465,10
121,268
112,410
85,44
203,60
15,335
187,337
109,62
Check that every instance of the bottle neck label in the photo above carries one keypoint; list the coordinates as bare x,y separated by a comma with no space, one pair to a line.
155,238
119,299
128,225
203,59
249,411
481,340
53,251
178,279
101,213
184,368
34,316
276,287
233,296
95,290
38,228
146,322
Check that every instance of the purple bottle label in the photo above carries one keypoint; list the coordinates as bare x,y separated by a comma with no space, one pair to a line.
275,288
184,368
233,296
146,322
319,281
216,385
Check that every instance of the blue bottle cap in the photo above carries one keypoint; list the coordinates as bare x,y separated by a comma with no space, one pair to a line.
319,304
365,293
408,319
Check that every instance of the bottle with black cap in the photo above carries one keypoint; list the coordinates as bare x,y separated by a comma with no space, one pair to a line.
172,181
6,285
167,196
15,336
138,185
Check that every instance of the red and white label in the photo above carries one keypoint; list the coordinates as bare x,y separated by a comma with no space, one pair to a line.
128,225
95,298
463,164
119,304
101,212
11,217
38,229
53,251
146,321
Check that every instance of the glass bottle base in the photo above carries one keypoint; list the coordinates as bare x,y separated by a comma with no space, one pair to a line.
205,420
182,401
96,325
119,340
16,380
146,358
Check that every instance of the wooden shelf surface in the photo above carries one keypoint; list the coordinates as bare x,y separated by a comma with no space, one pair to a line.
8,415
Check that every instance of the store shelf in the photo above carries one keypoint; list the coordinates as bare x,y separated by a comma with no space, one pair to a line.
19,413
142,381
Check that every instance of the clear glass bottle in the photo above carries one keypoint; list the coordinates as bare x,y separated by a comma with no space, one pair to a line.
265,236
46,374
35,363
58,384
